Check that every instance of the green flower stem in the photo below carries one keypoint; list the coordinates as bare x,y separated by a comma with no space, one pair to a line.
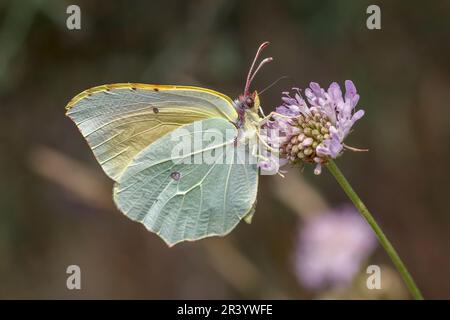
376,228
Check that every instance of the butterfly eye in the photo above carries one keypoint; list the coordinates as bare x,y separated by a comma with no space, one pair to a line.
249,102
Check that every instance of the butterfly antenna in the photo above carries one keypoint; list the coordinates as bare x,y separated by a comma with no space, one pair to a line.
266,60
251,74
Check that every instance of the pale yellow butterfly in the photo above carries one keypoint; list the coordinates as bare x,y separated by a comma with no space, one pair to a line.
130,129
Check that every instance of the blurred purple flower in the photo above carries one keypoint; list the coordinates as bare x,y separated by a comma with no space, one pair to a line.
331,248
313,133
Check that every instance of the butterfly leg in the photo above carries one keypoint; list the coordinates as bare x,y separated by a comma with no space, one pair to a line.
269,148
260,157
262,111
262,121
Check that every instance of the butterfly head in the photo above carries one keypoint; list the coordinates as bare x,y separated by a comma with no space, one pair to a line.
250,100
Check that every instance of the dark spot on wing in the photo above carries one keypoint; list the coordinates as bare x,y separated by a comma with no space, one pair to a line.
155,110
133,88
175,175
155,89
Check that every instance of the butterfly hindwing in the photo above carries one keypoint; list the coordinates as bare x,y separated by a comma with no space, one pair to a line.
201,192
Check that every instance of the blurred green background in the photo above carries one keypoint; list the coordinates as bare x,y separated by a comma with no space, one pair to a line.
55,202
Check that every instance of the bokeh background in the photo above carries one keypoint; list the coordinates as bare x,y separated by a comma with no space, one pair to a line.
55,202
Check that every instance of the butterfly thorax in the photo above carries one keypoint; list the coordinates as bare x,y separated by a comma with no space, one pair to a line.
247,108
248,118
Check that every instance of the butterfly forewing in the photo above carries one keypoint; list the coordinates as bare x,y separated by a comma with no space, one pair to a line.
120,120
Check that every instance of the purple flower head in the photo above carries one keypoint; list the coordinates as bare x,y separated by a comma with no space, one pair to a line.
331,248
315,131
